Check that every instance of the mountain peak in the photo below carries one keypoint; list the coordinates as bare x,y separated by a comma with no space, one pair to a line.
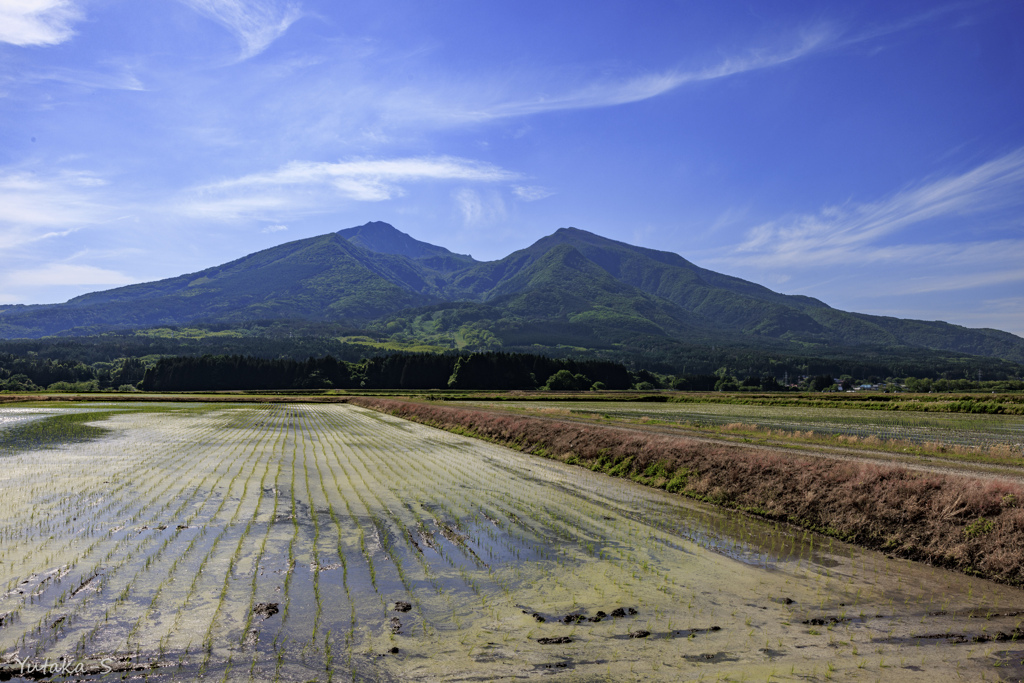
384,238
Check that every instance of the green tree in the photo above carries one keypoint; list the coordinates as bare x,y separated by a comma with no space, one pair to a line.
821,383
563,380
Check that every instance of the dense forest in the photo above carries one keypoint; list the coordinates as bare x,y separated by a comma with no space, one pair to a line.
77,366
300,341
396,371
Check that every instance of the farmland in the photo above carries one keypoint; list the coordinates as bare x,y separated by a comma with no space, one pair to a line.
300,542
950,435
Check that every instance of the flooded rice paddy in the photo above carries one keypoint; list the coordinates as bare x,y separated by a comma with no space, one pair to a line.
328,542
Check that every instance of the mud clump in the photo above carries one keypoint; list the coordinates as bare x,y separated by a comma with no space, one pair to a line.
555,665
266,609
952,637
1001,637
825,621
621,612
395,624
1015,634
560,640
262,612
639,634
402,606
716,657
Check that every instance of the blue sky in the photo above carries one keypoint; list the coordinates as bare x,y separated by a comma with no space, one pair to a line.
868,154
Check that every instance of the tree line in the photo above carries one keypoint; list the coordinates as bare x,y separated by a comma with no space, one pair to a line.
71,365
491,370
31,373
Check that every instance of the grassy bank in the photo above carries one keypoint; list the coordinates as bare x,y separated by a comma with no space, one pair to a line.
967,524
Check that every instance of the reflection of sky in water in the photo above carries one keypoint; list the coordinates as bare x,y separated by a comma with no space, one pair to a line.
10,417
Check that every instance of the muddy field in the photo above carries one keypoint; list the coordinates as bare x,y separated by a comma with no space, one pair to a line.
329,542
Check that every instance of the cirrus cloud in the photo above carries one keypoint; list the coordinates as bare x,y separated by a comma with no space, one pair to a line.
38,206
854,232
256,23
305,187
37,22
531,193
65,274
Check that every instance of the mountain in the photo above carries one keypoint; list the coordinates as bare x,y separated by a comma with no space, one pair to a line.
571,288
382,238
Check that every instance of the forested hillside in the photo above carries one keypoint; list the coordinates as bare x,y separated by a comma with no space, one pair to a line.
571,291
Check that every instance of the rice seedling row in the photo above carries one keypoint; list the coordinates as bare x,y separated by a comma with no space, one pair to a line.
174,539
112,535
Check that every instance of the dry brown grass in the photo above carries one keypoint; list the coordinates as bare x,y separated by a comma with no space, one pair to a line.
964,523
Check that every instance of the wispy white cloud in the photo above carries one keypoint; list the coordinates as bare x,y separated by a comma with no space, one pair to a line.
459,104
311,187
113,80
367,179
479,208
356,99
942,267
531,193
905,24
273,228
883,257
63,274
451,104
256,23
854,232
810,41
1002,313
35,207
37,22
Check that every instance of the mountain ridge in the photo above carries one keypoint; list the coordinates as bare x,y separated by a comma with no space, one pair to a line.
593,291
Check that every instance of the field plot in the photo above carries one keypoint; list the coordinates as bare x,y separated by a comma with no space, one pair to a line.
953,429
329,542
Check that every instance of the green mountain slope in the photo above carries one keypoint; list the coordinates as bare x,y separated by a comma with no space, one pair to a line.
321,278
570,288
382,238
